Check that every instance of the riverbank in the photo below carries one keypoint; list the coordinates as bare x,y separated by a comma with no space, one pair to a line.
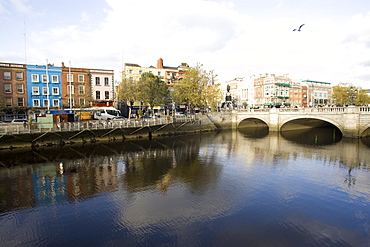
200,123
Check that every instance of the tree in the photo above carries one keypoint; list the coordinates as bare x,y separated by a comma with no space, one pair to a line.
339,95
128,93
347,94
197,88
153,91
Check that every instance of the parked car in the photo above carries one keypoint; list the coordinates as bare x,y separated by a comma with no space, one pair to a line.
19,121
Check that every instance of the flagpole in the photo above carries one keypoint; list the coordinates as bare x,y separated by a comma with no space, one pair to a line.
70,87
47,84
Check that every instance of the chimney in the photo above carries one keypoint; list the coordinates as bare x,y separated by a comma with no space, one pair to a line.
160,63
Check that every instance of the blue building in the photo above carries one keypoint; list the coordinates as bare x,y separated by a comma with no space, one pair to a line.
44,86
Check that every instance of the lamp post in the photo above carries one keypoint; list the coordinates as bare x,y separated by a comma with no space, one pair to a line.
351,92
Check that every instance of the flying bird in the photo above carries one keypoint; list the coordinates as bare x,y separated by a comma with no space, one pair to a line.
299,29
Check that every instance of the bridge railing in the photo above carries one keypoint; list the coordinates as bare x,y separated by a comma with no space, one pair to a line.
350,109
10,129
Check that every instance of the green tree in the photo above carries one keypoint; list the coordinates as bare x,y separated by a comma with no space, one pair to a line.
128,92
153,91
197,88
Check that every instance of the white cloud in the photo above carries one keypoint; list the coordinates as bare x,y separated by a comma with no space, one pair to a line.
84,17
216,34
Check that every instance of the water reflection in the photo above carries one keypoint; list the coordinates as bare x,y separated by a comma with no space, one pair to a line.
215,189
314,136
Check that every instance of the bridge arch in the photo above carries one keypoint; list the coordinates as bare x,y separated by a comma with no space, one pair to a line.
252,119
327,120
365,131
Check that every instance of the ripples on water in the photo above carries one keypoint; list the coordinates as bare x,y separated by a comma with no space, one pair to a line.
242,188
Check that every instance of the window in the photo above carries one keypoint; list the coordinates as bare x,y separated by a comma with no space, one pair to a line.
20,101
45,79
45,102
159,73
45,91
81,101
19,76
81,78
35,91
130,71
97,81
35,78
69,77
106,93
8,102
81,89
19,88
106,81
70,89
70,102
55,102
7,88
36,103
55,91
131,79
54,79
140,72
7,75
97,95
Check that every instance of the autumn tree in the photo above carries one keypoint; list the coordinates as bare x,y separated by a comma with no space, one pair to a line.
347,94
197,88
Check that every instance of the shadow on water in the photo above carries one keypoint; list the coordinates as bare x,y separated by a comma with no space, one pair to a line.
366,141
254,132
314,136
45,154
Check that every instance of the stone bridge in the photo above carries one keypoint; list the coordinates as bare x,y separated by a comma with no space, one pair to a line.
353,122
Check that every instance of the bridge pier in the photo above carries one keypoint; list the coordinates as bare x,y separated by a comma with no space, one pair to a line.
274,125
351,123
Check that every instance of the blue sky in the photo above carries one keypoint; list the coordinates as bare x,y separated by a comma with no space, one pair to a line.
233,38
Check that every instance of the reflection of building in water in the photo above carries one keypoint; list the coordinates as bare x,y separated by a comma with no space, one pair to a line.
90,176
57,182
16,192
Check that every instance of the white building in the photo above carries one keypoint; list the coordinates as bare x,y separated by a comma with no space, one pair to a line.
102,87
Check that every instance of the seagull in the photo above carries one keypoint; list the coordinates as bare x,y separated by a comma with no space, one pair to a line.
299,29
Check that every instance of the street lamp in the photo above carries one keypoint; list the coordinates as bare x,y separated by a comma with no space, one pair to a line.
351,92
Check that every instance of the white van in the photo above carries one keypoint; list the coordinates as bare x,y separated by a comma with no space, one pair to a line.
105,113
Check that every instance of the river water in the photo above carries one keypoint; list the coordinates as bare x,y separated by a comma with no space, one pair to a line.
231,188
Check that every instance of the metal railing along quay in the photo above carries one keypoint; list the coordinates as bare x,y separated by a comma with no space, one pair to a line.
11,129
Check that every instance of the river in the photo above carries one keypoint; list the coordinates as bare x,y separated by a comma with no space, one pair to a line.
229,188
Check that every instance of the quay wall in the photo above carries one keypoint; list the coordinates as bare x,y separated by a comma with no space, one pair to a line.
102,133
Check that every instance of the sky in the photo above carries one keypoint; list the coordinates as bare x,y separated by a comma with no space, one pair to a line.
233,38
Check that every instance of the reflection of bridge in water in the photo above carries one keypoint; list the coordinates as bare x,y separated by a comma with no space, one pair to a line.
351,121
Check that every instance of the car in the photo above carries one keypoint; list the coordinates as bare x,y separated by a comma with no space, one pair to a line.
19,121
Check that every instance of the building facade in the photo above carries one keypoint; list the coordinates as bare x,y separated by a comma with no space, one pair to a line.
44,86
13,91
271,90
102,82
318,93
76,87
167,74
